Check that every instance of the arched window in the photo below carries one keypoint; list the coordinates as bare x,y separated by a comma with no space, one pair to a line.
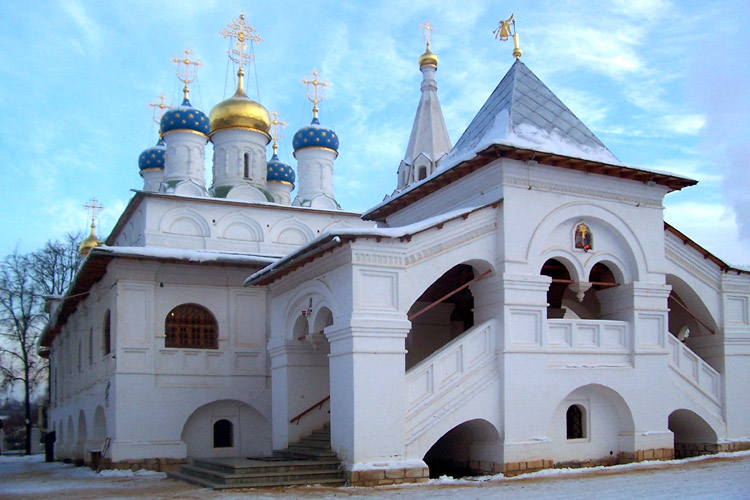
576,422
422,173
106,337
223,434
247,166
191,326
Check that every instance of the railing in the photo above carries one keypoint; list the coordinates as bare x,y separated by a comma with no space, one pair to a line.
693,369
584,335
449,365
319,406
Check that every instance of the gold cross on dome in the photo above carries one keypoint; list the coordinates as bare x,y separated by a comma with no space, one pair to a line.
93,206
428,29
275,123
240,31
187,68
312,88
158,108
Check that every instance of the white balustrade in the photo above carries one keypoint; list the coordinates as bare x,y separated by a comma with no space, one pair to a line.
693,369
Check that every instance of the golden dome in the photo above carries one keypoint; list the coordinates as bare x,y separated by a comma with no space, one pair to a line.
88,243
239,111
428,58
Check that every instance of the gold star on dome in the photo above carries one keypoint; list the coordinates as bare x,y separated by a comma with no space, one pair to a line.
315,94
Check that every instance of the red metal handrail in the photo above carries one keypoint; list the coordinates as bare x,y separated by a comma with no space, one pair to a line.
319,404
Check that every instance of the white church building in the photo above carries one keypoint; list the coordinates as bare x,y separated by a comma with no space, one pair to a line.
517,303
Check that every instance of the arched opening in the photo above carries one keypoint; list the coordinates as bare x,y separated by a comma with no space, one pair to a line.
557,289
692,435
307,380
82,436
323,319
226,428
99,432
575,422
422,173
246,165
434,323
468,449
191,326
106,333
692,323
223,434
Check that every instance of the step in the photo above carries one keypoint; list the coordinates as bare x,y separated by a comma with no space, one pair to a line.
280,477
304,451
217,486
282,464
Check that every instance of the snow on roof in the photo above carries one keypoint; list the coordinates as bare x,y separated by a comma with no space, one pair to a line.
523,114
522,111
189,255
334,237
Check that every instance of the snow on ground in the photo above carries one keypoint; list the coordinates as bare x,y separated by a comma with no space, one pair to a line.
725,476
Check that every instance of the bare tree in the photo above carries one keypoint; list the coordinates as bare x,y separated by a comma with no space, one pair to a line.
55,264
21,320
25,282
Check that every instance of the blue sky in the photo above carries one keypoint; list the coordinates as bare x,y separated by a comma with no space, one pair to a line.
665,85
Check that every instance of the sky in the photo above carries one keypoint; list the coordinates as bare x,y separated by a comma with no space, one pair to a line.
664,85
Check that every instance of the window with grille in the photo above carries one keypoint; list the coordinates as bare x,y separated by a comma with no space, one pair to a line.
576,424
191,326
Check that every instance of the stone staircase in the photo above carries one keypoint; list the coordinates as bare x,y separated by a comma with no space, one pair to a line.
311,461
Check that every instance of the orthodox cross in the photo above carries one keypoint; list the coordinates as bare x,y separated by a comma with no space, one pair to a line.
241,32
93,206
314,94
158,108
187,69
275,123
428,29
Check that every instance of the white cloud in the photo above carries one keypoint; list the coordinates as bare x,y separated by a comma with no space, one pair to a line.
93,34
689,124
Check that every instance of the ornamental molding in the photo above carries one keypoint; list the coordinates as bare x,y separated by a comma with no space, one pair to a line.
375,259
691,268
443,245
527,183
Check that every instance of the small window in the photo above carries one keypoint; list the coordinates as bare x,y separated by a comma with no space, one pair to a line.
422,173
247,165
91,346
106,336
576,424
191,326
223,434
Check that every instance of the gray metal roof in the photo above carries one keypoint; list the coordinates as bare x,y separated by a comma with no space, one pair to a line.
529,102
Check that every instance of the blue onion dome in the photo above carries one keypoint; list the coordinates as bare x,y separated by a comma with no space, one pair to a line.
278,171
184,117
153,157
315,135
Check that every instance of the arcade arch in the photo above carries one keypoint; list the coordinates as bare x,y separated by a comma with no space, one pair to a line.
435,322
693,436
460,450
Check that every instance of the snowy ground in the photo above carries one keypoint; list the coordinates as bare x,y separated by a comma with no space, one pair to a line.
725,476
